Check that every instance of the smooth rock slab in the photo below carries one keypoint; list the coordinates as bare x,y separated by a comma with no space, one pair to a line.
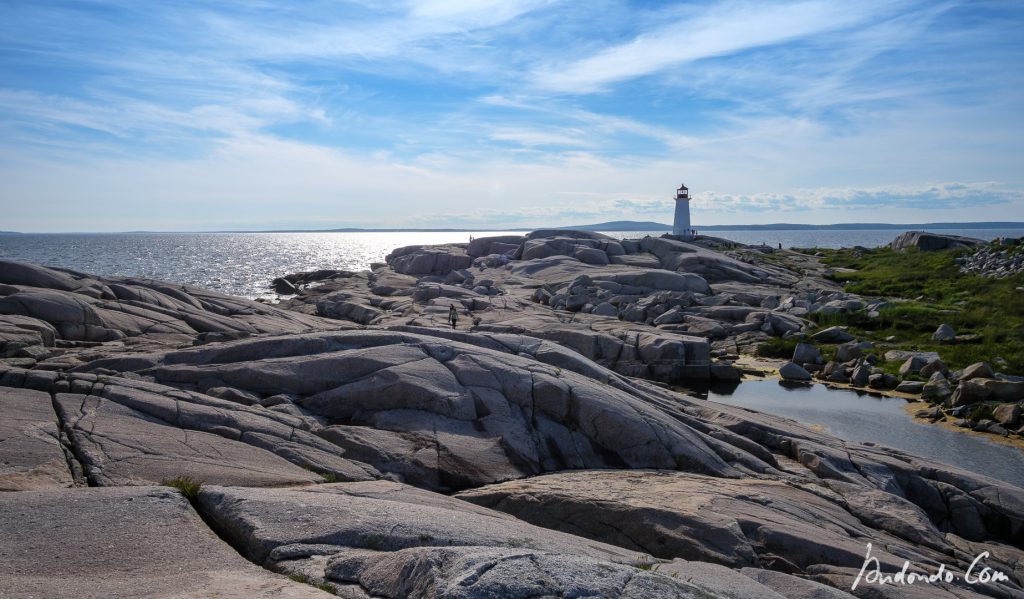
120,446
122,542
31,457
393,540
488,415
268,524
759,523
479,572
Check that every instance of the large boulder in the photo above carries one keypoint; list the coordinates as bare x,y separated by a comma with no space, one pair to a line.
61,305
73,316
913,365
805,353
978,370
498,244
944,333
13,272
1007,415
937,388
932,367
969,392
1001,390
861,375
901,355
926,241
658,280
794,372
429,260
25,337
348,310
849,351
833,335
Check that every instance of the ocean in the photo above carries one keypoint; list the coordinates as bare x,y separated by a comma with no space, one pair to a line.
245,263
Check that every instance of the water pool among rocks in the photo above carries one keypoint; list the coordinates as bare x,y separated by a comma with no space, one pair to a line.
858,416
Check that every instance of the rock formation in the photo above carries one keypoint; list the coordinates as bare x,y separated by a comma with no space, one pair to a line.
926,241
655,308
327,451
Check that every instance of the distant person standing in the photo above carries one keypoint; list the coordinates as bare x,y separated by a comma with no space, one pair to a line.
453,316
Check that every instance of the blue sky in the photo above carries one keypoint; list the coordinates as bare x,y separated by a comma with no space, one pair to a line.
178,115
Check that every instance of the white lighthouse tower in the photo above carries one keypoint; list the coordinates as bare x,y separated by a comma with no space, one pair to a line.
681,226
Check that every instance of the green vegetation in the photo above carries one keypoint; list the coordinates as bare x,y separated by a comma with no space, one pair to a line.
187,486
981,412
927,289
777,348
323,586
521,542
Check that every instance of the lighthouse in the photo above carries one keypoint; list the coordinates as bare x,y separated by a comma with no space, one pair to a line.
681,226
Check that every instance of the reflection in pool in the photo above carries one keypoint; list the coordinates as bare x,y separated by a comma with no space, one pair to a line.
857,416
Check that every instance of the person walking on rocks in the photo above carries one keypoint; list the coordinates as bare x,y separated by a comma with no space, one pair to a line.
453,316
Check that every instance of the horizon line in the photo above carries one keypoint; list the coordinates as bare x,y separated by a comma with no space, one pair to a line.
589,227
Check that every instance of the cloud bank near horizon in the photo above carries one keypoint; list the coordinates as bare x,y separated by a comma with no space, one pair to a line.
504,114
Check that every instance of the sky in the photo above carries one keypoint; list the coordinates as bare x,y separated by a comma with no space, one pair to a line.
177,115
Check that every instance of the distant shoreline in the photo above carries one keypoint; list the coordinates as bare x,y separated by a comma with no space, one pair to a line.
609,226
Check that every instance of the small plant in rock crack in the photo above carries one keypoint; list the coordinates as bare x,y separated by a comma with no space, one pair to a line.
323,586
186,485
521,542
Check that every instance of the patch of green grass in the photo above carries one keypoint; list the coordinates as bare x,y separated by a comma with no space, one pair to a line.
982,412
777,348
521,542
932,291
187,486
302,578
329,477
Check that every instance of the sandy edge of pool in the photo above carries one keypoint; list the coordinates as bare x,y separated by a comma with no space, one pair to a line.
756,368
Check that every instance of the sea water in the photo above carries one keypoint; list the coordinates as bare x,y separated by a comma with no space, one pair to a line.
245,263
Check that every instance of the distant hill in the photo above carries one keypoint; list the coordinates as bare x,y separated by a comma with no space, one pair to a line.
622,225
861,226
628,225
633,225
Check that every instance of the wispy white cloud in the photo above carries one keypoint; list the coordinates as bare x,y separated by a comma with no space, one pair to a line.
723,29
928,197
352,112
540,137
